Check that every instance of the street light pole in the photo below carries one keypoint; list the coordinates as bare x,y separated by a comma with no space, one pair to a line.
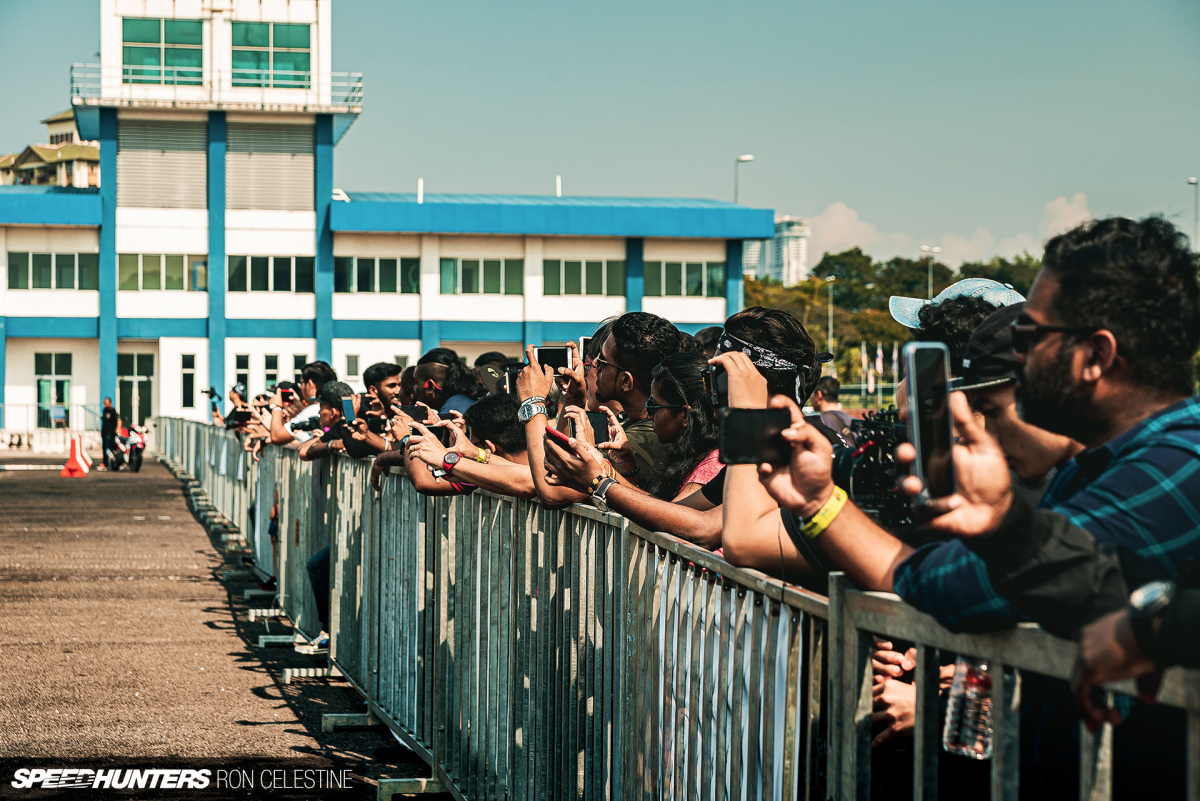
736,164
932,251
829,279
1195,182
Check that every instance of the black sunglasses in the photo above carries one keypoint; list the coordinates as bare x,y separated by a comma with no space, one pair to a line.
1026,335
652,407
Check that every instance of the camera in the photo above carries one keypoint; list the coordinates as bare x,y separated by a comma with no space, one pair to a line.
311,424
212,394
870,474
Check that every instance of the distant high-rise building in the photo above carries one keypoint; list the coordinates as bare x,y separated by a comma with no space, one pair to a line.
784,258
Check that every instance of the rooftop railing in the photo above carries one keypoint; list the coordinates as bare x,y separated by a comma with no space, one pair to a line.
93,84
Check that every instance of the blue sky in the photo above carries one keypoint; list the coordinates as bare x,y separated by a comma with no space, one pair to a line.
981,128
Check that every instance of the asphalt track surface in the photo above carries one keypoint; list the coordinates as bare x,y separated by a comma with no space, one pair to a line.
120,645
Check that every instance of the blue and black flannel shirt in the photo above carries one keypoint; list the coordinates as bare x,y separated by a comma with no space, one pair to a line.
1139,491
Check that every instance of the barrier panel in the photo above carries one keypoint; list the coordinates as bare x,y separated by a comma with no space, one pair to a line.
526,652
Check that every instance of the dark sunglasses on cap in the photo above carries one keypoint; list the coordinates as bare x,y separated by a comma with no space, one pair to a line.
1026,335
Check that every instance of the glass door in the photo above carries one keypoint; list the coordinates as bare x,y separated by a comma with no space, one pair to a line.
135,376
52,372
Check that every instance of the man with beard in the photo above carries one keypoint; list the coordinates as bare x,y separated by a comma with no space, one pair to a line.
1108,339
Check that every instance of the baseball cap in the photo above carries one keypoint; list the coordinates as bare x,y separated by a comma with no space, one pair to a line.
240,389
907,311
491,378
333,392
989,360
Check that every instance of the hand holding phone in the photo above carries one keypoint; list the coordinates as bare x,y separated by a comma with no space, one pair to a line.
348,409
560,437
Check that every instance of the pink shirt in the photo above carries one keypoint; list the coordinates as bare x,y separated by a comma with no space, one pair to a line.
705,472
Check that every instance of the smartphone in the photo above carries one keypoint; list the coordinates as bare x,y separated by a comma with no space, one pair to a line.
444,435
376,425
562,438
583,346
930,426
753,436
286,395
716,383
599,421
241,416
555,356
417,413
509,383
348,409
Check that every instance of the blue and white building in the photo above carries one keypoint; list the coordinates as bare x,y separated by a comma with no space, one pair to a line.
216,248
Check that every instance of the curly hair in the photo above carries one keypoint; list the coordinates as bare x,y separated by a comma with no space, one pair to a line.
640,341
1137,280
679,378
952,322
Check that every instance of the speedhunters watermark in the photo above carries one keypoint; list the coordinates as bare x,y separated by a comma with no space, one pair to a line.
275,779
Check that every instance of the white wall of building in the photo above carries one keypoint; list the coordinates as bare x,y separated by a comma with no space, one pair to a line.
370,351
269,306
52,303
20,385
684,250
270,233
376,306
257,348
162,231
687,310
160,303
376,246
170,375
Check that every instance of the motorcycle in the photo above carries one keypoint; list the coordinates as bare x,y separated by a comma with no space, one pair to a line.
127,450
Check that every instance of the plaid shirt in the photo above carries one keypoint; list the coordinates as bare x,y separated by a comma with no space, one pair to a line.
1139,491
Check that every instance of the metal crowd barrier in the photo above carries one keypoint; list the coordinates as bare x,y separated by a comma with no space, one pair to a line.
525,652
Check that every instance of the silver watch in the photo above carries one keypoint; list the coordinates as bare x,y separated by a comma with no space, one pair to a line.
531,408
601,493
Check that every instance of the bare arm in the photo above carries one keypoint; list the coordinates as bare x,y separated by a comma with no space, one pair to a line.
697,527
533,381
498,475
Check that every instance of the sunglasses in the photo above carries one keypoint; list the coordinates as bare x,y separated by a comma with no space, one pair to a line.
1026,335
652,407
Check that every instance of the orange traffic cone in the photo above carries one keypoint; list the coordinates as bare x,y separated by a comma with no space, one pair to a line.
87,460
75,466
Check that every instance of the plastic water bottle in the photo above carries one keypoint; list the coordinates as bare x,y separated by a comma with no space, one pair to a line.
968,729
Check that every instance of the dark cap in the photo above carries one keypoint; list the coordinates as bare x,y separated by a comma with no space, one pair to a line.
491,378
333,392
989,360
240,389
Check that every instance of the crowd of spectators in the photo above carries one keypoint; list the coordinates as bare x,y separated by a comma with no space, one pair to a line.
1077,455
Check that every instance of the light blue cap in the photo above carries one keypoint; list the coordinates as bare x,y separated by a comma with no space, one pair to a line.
906,311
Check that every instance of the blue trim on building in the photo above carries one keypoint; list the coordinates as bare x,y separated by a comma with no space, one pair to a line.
217,274
541,215
635,274
430,335
107,327
51,205
376,329
155,327
288,329
734,285
323,187
534,331
60,328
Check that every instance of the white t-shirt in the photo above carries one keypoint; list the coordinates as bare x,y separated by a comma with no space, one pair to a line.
310,411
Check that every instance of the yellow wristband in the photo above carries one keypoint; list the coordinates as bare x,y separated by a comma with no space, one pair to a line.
821,520
484,456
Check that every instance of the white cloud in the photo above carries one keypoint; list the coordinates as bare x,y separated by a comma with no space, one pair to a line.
839,228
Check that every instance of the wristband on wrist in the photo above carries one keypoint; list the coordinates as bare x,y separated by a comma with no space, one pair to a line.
817,524
636,467
596,483
484,456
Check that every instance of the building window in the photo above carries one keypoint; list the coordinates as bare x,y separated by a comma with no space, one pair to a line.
298,362
241,364
271,273
162,51
53,271
270,371
52,373
351,274
483,276
402,361
352,366
271,54
189,380
561,277
685,279
137,271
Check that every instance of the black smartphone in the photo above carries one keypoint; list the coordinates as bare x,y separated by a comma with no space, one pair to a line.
555,356
241,416
417,413
930,426
348,409
599,421
509,383
716,383
286,395
444,435
753,436
376,425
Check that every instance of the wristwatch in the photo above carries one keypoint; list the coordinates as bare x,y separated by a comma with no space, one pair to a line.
449,460
1146,604
531,408
598,497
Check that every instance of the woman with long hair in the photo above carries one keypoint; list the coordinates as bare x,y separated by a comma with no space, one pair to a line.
686,422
